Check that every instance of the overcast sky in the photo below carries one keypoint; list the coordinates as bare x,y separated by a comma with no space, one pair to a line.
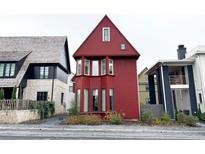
154,36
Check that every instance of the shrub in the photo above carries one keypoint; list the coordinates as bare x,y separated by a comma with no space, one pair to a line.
83,119
147,116
72,120
74,109
1,93
157,121
181,117
202,116
114,118
191,120
165,118
46,109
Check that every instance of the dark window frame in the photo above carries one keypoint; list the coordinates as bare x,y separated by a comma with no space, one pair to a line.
44,75
9,73
42,96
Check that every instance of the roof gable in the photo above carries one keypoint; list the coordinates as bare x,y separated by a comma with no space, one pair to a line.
94,46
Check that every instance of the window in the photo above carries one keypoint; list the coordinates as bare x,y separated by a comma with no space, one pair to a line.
62,98
70,88
122,46
12,71
111,68
44,72
111,100
103,67
1,70
87,67
106,34
78,67
85,100
42,96
7,69
95,68
95,100
103,100
200,98
78,100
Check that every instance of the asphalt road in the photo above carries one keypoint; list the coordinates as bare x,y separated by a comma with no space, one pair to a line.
51,129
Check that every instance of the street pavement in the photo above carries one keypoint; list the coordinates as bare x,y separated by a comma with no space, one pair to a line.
54,130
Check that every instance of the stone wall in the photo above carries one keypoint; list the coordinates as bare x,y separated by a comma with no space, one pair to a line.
156,109
18,116
34,86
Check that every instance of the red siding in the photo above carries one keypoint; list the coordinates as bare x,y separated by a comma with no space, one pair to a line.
124,80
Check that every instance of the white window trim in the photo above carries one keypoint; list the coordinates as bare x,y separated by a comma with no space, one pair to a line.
103,36
103,104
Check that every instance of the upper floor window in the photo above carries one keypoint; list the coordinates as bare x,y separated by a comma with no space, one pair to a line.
103,67
7,69
78,67
87,67
111,67
106,34
95,68
122,46
44,70
1,70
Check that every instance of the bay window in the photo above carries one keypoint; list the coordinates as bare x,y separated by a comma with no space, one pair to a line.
111,67
95,68
95,100
111,93
78,67
103,100
78,100
103,67
85,100
87,67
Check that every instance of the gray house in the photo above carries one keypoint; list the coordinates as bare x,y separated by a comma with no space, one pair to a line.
37,66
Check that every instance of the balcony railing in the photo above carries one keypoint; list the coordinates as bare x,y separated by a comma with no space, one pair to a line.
177,79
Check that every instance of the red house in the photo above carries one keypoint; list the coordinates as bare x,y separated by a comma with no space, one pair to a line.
106,73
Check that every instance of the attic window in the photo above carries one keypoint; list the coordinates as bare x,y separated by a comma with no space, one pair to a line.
122,46
106,34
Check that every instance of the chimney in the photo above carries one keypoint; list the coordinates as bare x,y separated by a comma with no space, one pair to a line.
181,52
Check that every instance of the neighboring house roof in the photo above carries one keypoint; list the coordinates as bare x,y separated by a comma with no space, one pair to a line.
183,62
13,55
39,49
94,46
143,71
200,49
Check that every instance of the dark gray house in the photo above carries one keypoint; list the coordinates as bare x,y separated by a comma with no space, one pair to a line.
175,84
37,66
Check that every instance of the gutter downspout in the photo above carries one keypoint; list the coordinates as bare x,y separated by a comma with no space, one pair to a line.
164,95
54,72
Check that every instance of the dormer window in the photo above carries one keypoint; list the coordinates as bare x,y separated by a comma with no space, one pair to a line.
7,69
106,34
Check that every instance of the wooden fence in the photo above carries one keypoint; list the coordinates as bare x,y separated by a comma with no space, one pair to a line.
18,104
